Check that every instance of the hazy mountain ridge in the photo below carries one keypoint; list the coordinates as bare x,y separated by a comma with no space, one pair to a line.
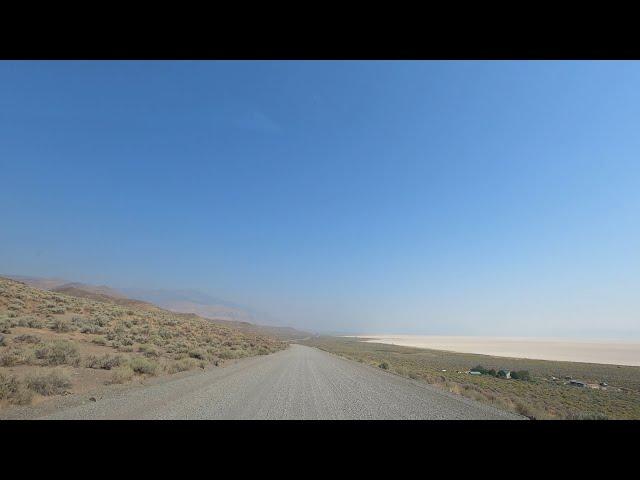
191,301
188,302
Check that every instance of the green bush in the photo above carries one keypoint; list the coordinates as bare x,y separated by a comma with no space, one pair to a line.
384,366
521,375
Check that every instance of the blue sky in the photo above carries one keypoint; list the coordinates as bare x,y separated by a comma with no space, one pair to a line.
379,197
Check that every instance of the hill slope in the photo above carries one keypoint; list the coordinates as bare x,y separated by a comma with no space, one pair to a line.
102,294
179,301
52,343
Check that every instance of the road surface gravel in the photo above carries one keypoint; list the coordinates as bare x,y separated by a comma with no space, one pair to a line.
297,383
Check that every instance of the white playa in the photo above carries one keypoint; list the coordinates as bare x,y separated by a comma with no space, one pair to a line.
615,352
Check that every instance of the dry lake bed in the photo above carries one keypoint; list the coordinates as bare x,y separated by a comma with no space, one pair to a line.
615,352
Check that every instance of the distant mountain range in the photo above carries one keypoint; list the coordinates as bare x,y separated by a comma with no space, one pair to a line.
180,301
192,301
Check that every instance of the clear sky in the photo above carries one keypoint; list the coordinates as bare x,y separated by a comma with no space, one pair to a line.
368,197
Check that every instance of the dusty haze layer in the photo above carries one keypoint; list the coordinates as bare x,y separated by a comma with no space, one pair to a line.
590,351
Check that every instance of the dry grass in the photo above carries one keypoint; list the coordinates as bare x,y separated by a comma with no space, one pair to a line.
182,365
541,397
121,374
39,328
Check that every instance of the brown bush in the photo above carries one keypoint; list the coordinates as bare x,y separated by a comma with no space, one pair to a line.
121,374
105,362
60,352
27,338
13,391
54,382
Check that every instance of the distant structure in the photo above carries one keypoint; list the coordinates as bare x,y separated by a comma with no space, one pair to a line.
504,373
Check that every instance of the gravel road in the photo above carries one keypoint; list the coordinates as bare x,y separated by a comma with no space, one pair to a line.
297,383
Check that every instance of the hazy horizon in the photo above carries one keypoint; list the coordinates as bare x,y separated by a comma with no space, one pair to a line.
426,198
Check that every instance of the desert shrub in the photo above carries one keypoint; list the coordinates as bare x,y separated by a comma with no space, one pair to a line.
27,338
121,374
227,354
99,341
199,354
14,391
13,356
105,362
87,325
35,322
100,320
30,321
125,348
529,410
5,325
2,341
61,325
148,350
166,334
158,340
60,352
587,416
16,305
143,365
384,365
54,382
181,365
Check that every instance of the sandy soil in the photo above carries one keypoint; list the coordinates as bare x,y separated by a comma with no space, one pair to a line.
590,351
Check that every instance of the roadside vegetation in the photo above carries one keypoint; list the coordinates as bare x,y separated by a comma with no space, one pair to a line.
538,389
54,344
